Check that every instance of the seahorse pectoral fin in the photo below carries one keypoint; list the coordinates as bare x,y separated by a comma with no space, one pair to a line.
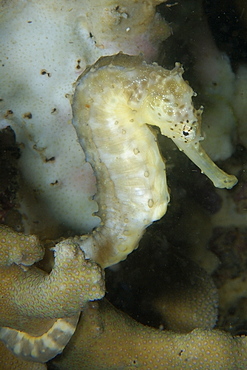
197,154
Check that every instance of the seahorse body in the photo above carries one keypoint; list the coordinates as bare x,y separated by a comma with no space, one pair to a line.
115,102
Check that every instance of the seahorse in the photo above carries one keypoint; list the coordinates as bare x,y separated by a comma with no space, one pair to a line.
116,102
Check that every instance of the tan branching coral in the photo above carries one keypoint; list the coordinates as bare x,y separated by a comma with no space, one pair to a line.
108,339
18,248
33,293
33,301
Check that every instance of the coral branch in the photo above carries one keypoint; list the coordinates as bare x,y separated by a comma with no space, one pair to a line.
18,248
108,339
34,293
39,311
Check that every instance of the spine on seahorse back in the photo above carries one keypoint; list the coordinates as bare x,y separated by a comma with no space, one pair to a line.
130,173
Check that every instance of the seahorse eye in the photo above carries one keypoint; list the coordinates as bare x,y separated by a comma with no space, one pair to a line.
186,133
189,131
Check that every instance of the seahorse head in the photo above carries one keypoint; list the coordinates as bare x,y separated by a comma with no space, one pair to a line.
165,99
